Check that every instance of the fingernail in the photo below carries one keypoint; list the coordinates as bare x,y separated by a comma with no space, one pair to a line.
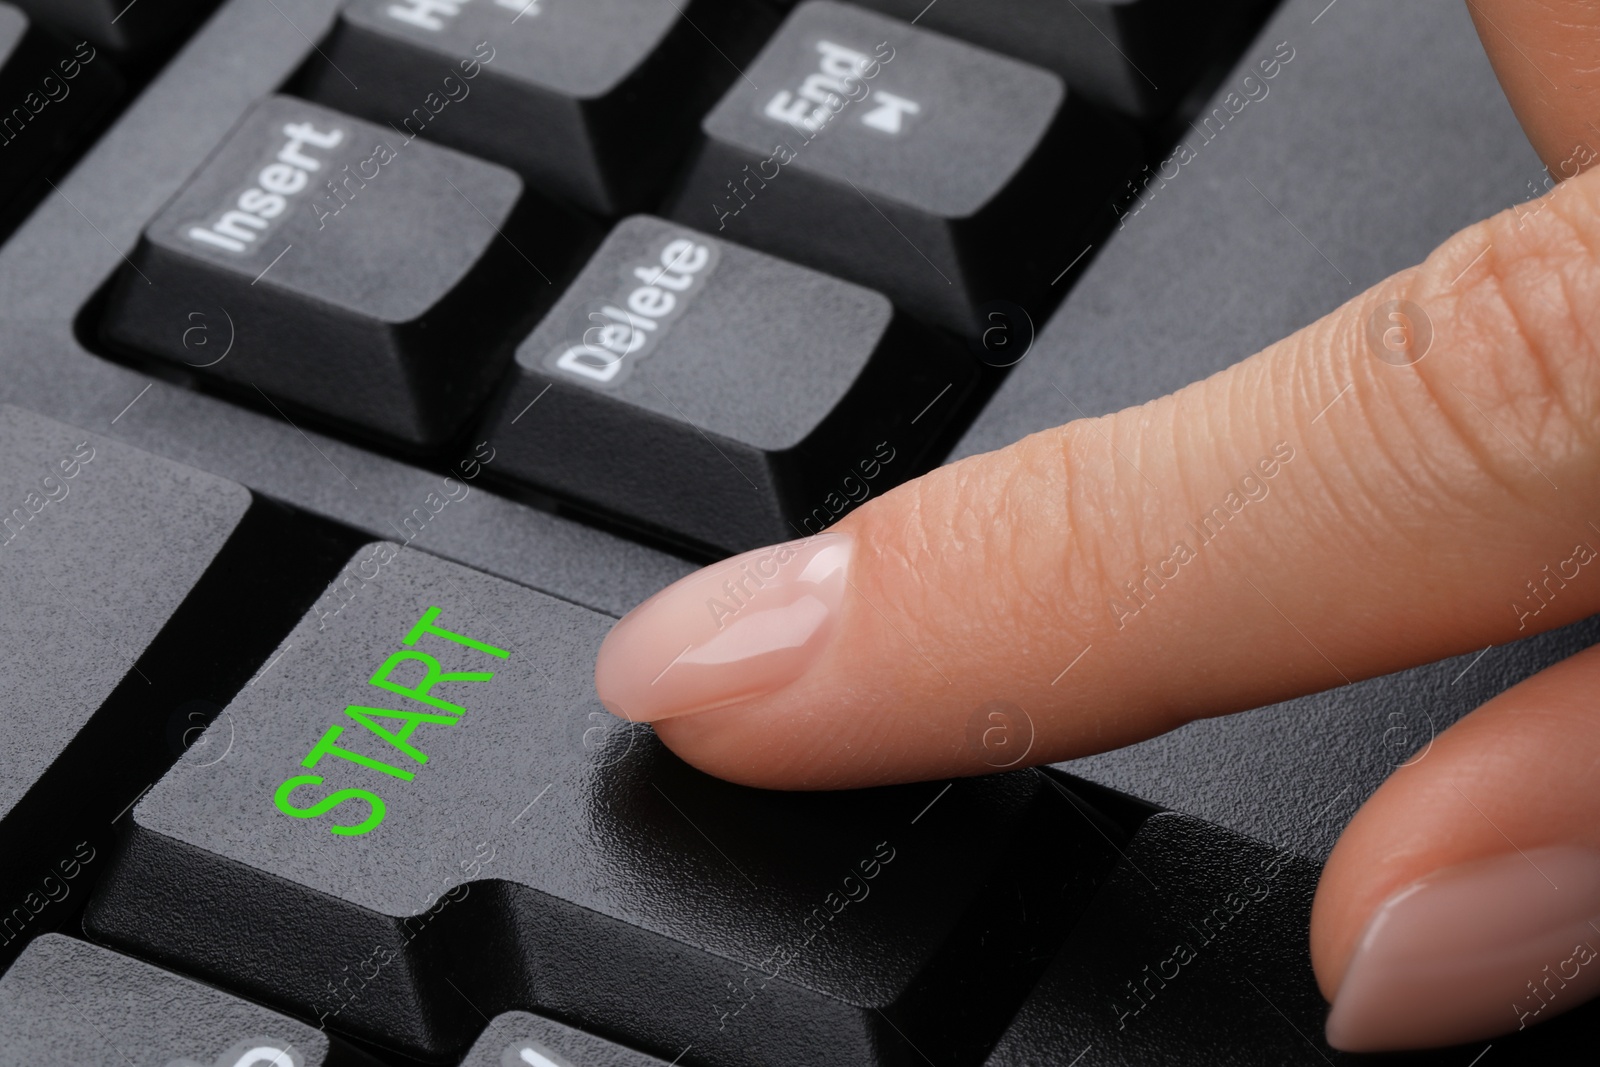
739,629
1474,951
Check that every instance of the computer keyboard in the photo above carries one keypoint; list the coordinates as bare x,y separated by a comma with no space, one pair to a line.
364,361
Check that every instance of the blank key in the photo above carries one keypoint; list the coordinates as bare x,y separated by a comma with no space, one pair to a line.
594,101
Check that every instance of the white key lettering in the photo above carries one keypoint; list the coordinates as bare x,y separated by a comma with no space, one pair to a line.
889,115
432,14
238,228
627,325
841,77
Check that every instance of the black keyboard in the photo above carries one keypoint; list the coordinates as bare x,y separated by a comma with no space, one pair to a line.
364,361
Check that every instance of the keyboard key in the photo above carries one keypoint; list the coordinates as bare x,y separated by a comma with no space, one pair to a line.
903,160
517,1039
121,631
51,93
426,817
722,395
592,101
1197,940
66,1003
1138,56
373,280
120,25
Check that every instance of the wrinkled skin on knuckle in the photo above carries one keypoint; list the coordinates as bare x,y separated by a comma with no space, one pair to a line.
1519,375
1385,464
1503,404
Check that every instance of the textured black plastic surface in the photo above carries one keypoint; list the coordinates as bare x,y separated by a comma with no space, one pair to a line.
1167,954
1195,951
545,856
100,544
67,1003
136,596
901,159
595,102
118,24
1138,56
723,395
50,92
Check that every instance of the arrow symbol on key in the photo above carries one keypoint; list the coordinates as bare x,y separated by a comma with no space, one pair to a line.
889,115
534,1058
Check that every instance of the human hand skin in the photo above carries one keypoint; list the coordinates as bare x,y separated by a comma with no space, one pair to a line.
1416,503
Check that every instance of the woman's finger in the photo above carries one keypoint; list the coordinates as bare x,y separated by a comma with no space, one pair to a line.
1463,901
1409,478
1544,52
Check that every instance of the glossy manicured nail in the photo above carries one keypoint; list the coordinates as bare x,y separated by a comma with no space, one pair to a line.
1473,951
739,629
